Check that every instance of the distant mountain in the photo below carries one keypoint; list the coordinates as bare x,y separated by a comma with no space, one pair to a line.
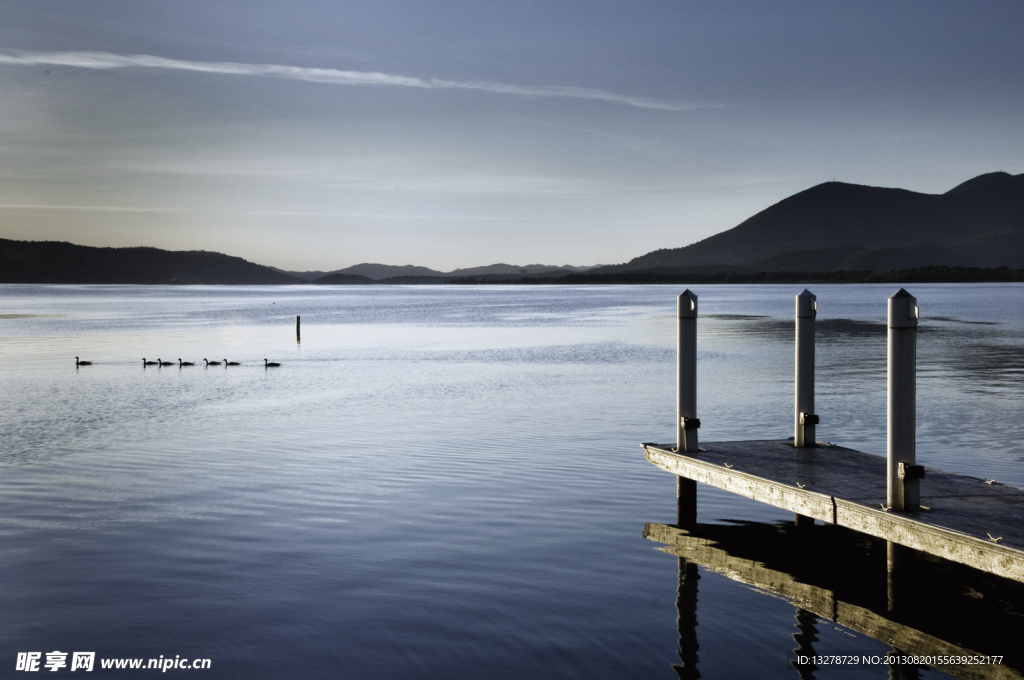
410,274
507,270
343,280
378,272
60,262
849,227
304,276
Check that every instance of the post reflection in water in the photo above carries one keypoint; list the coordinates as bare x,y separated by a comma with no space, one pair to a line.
899,570
914,604
686,620
896,568
902,671
806,633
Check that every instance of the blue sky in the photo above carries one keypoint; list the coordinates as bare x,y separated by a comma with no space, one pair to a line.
316,135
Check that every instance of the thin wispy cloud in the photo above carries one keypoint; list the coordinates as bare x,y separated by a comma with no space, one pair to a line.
108,61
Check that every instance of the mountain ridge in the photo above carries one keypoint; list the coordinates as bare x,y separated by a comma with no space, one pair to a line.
838,226
63,262
384,272
830,227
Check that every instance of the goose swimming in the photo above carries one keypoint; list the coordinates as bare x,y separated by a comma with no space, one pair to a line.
82,363
148,363
231,363
269,364
211,363
161,362
185,363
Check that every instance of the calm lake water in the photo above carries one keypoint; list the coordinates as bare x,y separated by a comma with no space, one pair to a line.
438,482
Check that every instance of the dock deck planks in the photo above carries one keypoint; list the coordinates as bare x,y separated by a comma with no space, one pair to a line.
847,488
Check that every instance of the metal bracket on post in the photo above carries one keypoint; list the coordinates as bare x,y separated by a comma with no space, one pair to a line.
910,471
809,419
689,423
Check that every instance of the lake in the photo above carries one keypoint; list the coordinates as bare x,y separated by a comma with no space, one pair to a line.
437,482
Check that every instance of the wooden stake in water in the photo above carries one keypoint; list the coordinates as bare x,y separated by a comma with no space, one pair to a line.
298,333
686,405
903,487
805,419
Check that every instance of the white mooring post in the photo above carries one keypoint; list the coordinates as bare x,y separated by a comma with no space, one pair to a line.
686,405
686,374
803,407
903,478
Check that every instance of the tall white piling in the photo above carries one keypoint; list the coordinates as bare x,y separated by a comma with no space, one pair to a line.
903,489
686,373
686,404
803,406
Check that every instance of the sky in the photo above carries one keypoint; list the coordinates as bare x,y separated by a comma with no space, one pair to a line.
319,134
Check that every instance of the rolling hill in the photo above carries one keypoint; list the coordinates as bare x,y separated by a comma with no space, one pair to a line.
60,262
849,227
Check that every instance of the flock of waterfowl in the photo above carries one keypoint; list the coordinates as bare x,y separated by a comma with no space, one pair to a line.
182,364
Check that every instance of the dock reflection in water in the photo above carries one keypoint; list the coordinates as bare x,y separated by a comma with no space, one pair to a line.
925,607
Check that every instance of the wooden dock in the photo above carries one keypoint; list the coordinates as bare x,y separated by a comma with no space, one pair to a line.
846,589
968,520
959,519
949,518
